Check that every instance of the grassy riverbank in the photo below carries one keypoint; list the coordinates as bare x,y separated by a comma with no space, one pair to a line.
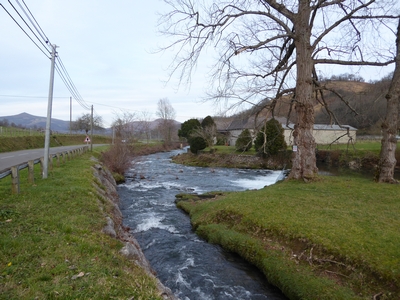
51,243
335,238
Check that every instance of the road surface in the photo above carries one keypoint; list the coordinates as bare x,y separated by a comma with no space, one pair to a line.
9,159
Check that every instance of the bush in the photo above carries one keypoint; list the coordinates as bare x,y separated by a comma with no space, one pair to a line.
118,158
270,139
244,141
187,127
196,144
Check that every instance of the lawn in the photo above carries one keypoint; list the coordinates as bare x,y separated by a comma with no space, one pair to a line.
335,238
362,145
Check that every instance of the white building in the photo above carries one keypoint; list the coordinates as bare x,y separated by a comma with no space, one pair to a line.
323,133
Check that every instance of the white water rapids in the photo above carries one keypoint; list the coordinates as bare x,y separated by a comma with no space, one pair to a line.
189,266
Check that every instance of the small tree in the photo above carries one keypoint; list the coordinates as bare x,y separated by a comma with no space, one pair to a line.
197,143
208,134
270,139
83,123
124,127
166,113
187,128
244,141
207,122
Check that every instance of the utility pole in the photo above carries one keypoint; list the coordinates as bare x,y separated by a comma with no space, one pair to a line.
49,108
91,131
70,114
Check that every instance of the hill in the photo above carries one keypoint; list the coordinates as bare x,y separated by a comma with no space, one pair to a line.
26,120
358,104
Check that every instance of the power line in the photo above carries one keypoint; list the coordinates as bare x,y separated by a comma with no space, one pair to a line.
45,42
45,45
41,32
16,22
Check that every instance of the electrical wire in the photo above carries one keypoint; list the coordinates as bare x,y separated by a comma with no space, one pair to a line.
70,85
44,45
42,38
41,32
16,22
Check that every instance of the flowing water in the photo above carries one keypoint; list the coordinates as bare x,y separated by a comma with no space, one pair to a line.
189,266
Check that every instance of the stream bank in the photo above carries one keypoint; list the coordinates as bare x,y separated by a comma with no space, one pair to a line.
106,188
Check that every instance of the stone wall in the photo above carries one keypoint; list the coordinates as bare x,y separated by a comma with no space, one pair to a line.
105,185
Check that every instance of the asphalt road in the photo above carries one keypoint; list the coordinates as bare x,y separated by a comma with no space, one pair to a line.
9,159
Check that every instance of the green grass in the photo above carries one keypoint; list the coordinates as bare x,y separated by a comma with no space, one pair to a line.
14,131
337,238
15,143
362,146
51,243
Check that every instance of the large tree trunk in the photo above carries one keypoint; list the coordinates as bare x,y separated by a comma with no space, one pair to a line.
304,160
387,161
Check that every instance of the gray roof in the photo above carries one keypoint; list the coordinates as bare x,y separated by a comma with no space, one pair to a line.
245,123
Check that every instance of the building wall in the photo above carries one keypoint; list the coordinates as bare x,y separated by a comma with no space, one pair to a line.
323,137
233,136
329,136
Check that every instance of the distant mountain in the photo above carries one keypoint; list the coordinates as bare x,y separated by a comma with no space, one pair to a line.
30,121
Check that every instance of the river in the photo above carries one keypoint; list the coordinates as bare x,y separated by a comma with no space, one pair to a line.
192,268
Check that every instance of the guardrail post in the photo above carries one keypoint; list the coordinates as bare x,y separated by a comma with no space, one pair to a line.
31,175
50,162
14,180
41,165
64,157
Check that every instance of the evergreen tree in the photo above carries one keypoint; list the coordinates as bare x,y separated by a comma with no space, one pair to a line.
270,139
197,143
244,141
187,127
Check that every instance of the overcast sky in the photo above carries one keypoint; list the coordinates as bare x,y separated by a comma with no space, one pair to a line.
108,49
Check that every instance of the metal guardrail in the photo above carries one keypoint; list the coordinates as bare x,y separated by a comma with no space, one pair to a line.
14,171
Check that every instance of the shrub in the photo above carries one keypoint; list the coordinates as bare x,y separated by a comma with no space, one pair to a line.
187,127
270,139
197,143
118,158
208,122
244,141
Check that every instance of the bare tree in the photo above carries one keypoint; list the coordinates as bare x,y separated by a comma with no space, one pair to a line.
390,126
83,123
269,49
166,113
207,133
144,126
124,126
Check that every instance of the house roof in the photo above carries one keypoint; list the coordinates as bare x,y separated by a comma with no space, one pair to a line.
245,123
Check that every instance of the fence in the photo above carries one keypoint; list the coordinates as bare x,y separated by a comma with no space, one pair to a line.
14,171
